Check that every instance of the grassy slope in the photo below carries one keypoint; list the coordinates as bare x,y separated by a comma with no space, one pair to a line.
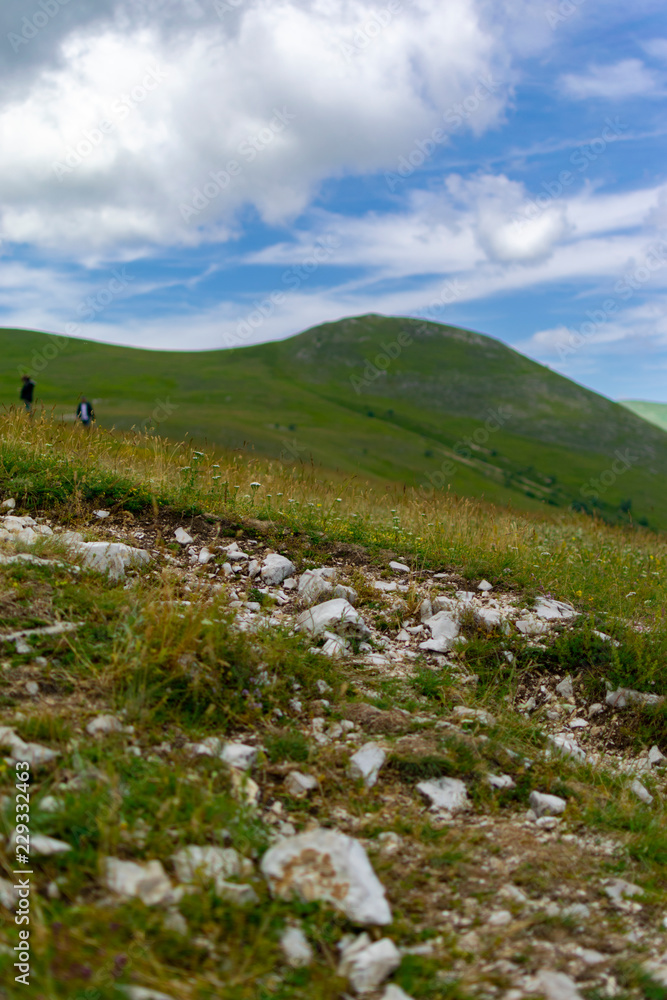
130,655
655,413
294,400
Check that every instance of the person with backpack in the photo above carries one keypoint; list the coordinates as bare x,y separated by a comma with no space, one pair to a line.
27,393
85,413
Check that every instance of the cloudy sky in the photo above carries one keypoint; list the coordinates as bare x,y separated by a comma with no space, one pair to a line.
201,173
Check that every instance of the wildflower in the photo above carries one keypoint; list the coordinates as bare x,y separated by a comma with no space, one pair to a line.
255,486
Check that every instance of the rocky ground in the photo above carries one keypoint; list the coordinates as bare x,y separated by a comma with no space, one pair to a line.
473,829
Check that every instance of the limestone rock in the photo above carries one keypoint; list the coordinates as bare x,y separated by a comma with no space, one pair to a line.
102,725
626,696
394,992
296,949
399,567
313,586
557,986
329,866
347,593
182,537
275,569
366,763
111,557
239,755
210,863
298,785
546,805
337,616
46,847
566,688
148,882
367,965
445,793
444,630
642,793
655,757
485,586
551,610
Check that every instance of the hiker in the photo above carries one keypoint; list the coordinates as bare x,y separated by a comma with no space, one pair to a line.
27,392
85,413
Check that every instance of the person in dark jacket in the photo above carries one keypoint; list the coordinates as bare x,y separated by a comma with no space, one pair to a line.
85,413
27,392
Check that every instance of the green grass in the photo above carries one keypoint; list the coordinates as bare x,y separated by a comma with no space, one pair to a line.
423,423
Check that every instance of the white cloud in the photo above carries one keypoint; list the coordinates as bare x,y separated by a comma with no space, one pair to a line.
627,78
353,85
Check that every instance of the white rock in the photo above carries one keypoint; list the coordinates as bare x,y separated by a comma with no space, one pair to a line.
148,882
445,793
475,715
444,630
234,553
239,755
557,986
102,514
102,725
500,780
546,805
298,785
296,948
642,793
655,757
528,627
182,537
32,688
32,753
254,568
367,965
399,567
275,569
139,993
210,863
313,586
111,557
485,586
176,922
566,688
335,645
327,865
499,918
606,638
366,763
394,992
45,847
238,895
347,593
425,610
618,889
8,896
554,610
566,746
8,504
205,557
50,804
336,616
388,587
626,696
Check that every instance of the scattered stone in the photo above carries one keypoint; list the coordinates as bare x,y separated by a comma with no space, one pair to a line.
347,593
366,763
327,865
566,688
176,922
595,709
528,627
182,537
394,992
425,610
103,725
239,755
148,882
618,890
32,688
557,986
275,569
322,687
626,696
337,616
499,918
444,630
566,746
655,757
365,964
642,793
500,781
298,785
9,504
205,556
399,567
335,646
546,805
111,557
449,794
254,568
210,863
485,586
294,943
474,715
139,993
554,610
50,804
102,514
313,587
46,847
606,638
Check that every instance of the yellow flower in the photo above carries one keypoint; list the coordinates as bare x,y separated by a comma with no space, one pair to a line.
579,593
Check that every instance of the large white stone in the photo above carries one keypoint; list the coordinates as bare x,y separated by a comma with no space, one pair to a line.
111,557
655,757
367,964
32,753
546,805
313,586
275,569
239,755
214,864
298,785
336,616
445,793
551,610
399,567
102,725
366,763
329,866
182,537
557,986
46,847
444,631
148,882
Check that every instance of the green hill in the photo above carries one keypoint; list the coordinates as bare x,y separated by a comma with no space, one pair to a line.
655,413
390,399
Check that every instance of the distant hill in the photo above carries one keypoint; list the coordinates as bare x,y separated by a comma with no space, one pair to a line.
655,413
390,399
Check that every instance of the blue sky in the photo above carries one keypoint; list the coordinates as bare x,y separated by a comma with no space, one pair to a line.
190,174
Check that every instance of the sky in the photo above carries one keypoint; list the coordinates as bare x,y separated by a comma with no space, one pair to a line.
198,174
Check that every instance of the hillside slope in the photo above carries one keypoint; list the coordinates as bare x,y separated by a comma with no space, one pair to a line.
390,399
655,413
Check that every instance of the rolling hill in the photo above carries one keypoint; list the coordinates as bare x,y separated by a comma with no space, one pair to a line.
655,413
392,400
